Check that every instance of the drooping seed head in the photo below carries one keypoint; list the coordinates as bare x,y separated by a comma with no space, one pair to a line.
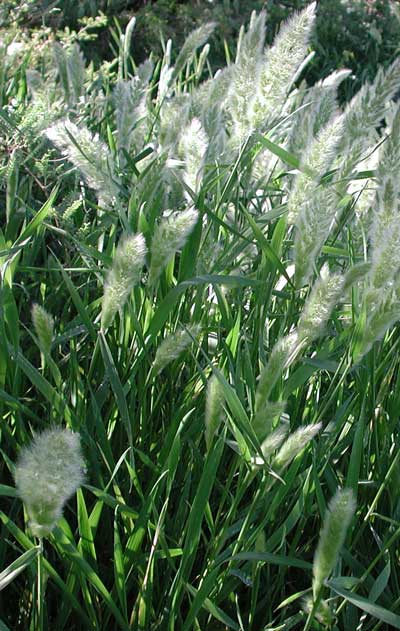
294,445
173,345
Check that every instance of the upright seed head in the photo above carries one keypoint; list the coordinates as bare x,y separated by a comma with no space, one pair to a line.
337,520
43,324
282,354
124,275
325,293
279,67
268,447
89,154
47,473
193,146
170,236
264,417
214,408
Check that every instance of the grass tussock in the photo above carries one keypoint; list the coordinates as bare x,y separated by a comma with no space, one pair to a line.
199,289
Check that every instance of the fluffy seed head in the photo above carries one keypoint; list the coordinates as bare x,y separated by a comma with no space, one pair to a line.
214,408
318,159
47,473
280,66
385,313
270,445
88,154
314,222
367,107
337,520
265,415
282,354
326,292
323,613
173,345
43,324
170,236
195,39
124,275
193,146
294,445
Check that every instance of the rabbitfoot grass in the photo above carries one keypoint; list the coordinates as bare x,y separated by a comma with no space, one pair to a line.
199,305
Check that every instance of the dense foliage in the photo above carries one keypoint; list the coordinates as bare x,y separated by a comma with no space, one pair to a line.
199,293
356,34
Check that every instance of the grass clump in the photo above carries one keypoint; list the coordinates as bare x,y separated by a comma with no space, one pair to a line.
218,251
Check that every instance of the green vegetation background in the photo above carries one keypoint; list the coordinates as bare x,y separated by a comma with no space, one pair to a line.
357,34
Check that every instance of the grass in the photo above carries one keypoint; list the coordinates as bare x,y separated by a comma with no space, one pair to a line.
178,526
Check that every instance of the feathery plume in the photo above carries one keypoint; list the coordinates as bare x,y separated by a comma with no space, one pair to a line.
76,72
385,229
336,522
315,106
43,324
294,445
60,58
193,146
245,76
130,106
88,154
195,39
170,235
124,275
202,60
313,225
318,158
355,274
270,445
312,206
325,294
280,66
47,473
363,114
384,315
214,408
173,345
265,415
367,107
283,353
323,613
381,298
